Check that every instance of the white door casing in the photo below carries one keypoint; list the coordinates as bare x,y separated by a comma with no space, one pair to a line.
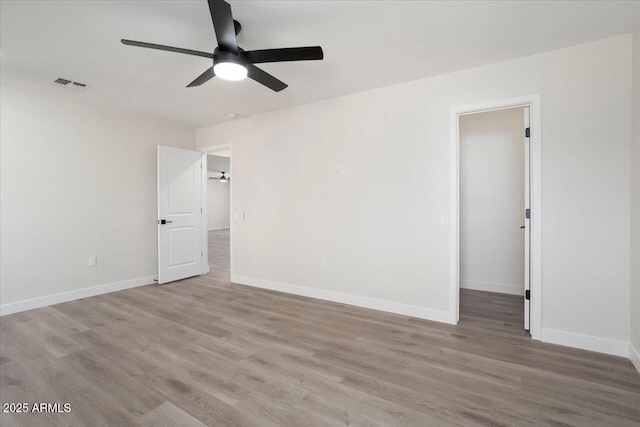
533,102
180,214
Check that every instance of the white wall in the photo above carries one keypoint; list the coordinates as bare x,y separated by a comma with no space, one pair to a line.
217,204
379,226
635,201
492,201
76,182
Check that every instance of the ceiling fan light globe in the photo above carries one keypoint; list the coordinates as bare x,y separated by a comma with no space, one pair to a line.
230,71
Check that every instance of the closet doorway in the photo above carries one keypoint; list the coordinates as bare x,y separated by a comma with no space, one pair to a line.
493,233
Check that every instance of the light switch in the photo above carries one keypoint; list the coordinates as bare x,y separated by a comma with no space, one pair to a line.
93,261
343,169
444,221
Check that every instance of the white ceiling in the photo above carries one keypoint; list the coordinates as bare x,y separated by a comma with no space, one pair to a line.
218,163
367,44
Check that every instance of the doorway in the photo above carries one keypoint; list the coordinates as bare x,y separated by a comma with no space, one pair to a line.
218,210
218,214
496,263
494,255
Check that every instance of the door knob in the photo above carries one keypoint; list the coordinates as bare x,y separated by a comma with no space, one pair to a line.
164,221
522,227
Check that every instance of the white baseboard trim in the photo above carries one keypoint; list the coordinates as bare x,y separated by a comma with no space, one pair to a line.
585,342
219,228
502,288
30,304
358,301
634,356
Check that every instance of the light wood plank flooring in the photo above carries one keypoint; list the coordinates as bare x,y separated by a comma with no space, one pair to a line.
207,352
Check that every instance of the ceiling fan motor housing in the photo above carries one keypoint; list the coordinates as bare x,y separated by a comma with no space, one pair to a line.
224,56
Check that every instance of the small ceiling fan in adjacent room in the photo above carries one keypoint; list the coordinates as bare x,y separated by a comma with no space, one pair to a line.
230,62
222,178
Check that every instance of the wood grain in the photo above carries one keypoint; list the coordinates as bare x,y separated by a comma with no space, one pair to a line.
204,351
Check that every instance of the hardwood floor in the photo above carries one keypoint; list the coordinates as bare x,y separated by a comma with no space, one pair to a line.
204,351
219,259
493,309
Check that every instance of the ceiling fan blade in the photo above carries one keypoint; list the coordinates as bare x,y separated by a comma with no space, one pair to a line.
203,78
167,48
223,25
265,78
310,53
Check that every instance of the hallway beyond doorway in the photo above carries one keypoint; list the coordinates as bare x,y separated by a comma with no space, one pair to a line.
219,255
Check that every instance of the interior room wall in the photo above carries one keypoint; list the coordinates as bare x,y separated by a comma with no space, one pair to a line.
635,202
492,201
77,182
379,226
218,194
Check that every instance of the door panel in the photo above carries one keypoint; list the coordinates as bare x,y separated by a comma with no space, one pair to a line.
181,192
527,221
180,246
180,214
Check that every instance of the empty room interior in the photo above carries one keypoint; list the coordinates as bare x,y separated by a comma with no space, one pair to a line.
319,213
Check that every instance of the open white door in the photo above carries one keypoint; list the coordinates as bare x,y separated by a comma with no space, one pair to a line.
527,220
180,214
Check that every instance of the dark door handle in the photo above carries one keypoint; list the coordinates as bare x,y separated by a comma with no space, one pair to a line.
164,221
522,226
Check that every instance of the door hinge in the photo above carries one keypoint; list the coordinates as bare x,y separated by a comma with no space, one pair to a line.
527,213
527,294
527,132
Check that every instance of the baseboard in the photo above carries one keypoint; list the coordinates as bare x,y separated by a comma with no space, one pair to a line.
30,304
634,356
585,342
219,228
358,301
502,288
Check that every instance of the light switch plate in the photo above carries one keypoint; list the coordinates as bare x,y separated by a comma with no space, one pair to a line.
343,169
93,261
444,220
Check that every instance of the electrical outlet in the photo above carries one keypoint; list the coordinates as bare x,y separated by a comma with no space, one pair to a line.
93,261
323,264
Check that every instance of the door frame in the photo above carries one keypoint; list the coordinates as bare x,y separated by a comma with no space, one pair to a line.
533,102
213,149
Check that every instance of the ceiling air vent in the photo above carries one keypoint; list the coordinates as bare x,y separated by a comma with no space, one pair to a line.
69,84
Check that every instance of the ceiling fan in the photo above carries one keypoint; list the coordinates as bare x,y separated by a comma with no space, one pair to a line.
231,62
221,178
